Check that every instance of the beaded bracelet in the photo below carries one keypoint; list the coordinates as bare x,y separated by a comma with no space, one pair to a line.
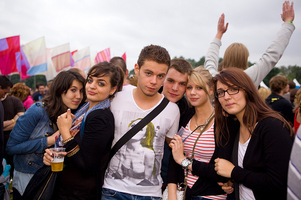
67,140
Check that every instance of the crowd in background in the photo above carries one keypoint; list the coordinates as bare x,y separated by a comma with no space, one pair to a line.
220,136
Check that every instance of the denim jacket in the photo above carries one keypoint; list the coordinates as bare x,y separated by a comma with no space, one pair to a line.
28,139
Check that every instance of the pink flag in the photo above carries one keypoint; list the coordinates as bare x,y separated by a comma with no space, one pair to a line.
102,56
9,50
82,58
124,56
71,57
61,57
23,64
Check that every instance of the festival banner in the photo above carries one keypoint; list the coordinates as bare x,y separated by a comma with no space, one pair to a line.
35,52
22,64
102,56
82,58
61,57
124,56
51,72
9,50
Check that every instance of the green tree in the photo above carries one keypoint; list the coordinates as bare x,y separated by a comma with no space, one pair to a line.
272,73
30,81
15,78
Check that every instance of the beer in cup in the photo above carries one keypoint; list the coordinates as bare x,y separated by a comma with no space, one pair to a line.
57,163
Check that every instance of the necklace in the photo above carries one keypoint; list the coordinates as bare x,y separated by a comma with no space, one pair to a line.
202,125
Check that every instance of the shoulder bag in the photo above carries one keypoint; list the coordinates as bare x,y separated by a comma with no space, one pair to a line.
133,131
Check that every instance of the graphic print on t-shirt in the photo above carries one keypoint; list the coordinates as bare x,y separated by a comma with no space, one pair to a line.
137,159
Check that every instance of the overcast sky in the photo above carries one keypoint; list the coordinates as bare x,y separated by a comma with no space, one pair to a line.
184,28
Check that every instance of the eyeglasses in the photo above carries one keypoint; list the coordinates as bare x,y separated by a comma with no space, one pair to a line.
230,91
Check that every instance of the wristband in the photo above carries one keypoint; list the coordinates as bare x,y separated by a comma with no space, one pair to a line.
13,121
290,22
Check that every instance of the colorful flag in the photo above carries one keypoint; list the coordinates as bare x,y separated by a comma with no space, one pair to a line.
124,56
36,55
82,58
9,50
51,72
102,56
61,57
71,57
22,64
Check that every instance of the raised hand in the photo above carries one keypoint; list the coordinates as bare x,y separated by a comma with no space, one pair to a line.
288,13
64,121
221,27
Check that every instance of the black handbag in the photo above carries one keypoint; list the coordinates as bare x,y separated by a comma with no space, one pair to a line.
42,184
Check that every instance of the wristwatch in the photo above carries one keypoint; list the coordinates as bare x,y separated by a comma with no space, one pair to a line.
185,163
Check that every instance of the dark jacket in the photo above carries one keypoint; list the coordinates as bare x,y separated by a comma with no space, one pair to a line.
281,105
184,108
265,165
83,174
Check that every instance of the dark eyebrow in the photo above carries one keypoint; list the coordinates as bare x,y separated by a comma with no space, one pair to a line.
147,70
100,79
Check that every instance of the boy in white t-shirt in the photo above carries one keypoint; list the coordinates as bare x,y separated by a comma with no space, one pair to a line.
134,171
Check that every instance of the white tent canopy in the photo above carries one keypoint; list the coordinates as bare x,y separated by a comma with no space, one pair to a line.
297,83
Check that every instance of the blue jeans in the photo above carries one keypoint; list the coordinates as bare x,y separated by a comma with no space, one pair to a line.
108,194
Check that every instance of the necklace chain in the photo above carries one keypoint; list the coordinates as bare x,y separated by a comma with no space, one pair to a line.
202,126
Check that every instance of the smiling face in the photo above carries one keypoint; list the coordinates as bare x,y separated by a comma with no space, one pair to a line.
174,85
98,89
150,77
233,104
196,95
74,95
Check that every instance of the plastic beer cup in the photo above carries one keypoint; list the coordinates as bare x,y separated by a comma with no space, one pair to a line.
57,164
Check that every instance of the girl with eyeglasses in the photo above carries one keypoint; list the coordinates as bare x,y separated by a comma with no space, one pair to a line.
261,138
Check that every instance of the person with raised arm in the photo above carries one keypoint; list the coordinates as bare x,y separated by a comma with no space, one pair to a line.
236,55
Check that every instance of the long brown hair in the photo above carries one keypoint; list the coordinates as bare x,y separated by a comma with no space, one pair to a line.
53,100
256,109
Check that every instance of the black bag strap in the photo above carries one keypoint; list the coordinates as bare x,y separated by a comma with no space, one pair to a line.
133,131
